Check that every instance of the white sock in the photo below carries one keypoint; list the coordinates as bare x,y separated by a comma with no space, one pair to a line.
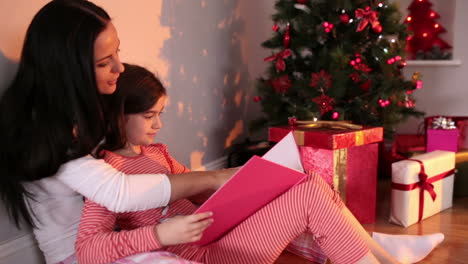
408,248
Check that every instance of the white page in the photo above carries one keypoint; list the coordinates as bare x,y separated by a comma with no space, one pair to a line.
286,153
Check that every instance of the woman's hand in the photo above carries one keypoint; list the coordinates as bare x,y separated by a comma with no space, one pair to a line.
222,176
182,229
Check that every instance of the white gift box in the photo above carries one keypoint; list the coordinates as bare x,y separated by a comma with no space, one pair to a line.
408,182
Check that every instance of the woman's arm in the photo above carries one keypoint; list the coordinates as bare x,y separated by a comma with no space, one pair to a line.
192,183
217,177
103,184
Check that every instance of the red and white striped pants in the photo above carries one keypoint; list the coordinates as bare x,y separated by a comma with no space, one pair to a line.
311,206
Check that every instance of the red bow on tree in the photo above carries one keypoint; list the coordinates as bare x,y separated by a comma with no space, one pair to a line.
368,17
281,84
279,57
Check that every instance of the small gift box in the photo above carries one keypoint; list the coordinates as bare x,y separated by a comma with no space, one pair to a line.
446,133
345,156
421,186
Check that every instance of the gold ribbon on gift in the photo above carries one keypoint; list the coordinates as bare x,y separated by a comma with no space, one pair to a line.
327,124
461,156
359,138
299,137
340,158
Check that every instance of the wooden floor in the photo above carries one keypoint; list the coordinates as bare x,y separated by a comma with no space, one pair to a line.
452,222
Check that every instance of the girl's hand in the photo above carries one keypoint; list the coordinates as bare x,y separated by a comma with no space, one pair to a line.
183,229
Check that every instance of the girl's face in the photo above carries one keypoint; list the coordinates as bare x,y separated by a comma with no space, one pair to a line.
141,128
107,65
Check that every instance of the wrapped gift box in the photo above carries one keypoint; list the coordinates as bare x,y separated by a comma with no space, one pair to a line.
422,186
442,139
445,139
347,159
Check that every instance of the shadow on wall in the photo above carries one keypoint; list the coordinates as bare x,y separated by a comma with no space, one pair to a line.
7,71
208,79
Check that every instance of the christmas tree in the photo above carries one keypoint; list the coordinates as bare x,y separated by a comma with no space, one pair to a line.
336,60
424,43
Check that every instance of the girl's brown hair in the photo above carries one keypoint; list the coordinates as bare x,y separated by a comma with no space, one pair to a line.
137,91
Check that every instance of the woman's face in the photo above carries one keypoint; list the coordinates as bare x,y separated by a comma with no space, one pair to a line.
107,65
141,128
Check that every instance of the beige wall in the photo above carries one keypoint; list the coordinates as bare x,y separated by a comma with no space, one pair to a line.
445,89
206,52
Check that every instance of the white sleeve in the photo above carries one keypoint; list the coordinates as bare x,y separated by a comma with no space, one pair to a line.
100,182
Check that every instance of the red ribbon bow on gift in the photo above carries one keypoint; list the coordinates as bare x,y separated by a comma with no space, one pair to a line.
368,17
425,184
279,57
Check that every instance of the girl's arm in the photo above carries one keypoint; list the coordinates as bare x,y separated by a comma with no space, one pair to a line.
97,242
103,184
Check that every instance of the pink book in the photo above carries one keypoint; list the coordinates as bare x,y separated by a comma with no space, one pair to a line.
254,185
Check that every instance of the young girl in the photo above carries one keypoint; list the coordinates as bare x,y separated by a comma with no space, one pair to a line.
312,207
51,120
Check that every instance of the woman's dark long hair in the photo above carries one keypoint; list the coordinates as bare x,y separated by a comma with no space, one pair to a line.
137,91
52,112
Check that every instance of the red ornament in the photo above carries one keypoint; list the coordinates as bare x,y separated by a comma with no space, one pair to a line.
362,67
257,99
344,18
419,84
321,80
281,84
384,103
335,115
287,38
378,29
324,102
402,64
368,17
366,85
275,28
328,26
280,57
292,120
356,77
301,1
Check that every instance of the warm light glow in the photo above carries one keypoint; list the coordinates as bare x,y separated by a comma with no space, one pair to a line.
238,98
237,78
424,34
180,108
196,160
436,25
432,14
234,133
408,19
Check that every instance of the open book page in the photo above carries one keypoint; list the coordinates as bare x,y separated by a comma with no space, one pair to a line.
253,186
286,153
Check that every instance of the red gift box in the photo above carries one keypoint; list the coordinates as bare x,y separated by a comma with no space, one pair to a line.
461,123
347,159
